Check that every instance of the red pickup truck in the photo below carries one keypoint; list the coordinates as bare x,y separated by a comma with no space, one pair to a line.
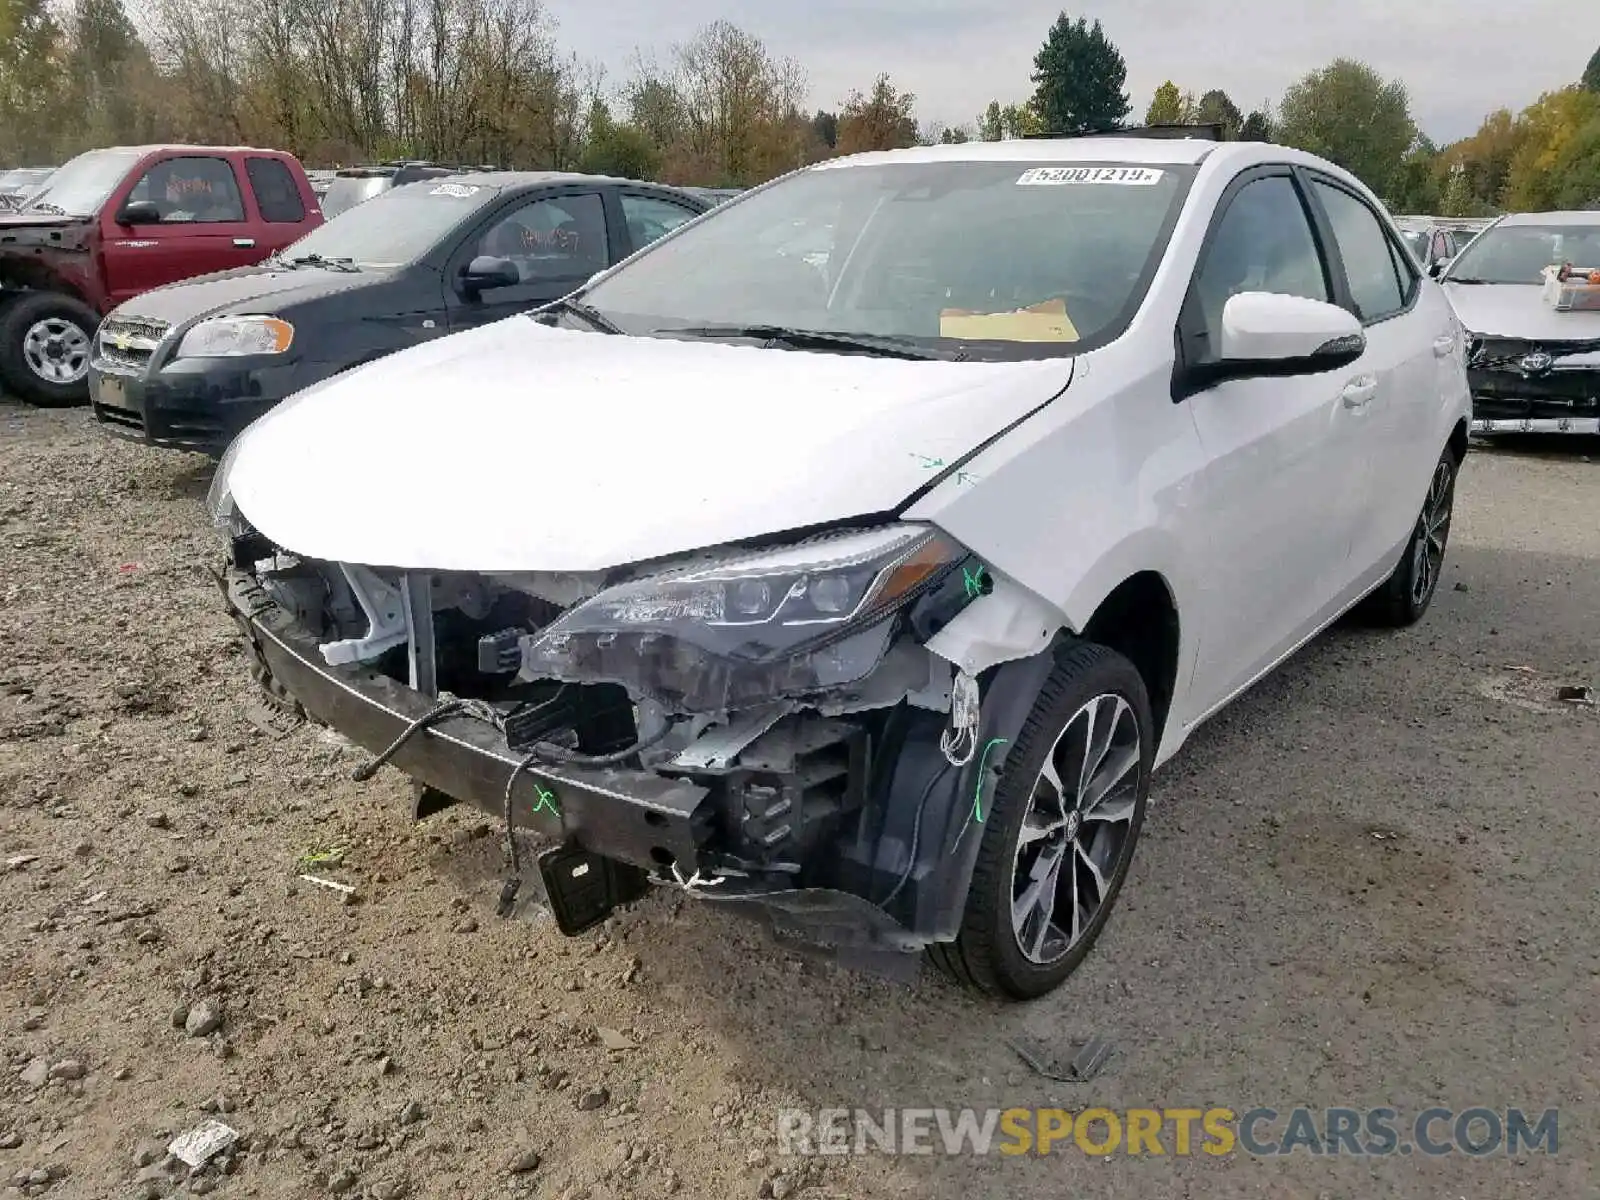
113,223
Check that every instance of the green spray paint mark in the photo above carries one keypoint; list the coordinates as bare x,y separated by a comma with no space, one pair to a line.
975,581
547,799
928,463
983,765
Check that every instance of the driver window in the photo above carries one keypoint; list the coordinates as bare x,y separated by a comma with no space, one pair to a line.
192,189
1262,244
563,237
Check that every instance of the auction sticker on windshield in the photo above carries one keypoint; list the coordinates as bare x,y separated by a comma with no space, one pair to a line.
1126,176
459,190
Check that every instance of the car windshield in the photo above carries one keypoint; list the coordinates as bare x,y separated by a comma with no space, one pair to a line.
1520,253
400,226
983,259
79,187
347,191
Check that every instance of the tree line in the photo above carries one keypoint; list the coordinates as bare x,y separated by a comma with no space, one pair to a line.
485,81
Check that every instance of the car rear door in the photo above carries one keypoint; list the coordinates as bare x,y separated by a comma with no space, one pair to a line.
556,238
205,224
1406,342
279,203
1275,495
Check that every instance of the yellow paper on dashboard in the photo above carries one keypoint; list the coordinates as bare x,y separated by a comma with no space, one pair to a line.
1044,322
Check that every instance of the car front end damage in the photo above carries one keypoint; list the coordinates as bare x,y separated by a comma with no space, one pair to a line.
809,733
1523,385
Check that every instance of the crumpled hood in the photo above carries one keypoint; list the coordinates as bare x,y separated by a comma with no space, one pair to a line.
1517,310
518,447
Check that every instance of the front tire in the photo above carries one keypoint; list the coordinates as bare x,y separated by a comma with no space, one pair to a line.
1061,832
45,339
1405,595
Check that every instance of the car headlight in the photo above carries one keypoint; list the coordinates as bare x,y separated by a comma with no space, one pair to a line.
750,627
229,337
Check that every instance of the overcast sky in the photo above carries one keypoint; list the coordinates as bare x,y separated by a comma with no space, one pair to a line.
1460,60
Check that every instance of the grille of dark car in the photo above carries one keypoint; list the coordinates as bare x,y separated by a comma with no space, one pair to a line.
130,341
1496,372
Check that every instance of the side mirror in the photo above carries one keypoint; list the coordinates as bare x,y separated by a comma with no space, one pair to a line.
1438,266
1267,333
139,212
486,271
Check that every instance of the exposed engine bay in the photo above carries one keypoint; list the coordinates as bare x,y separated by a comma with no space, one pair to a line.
777,727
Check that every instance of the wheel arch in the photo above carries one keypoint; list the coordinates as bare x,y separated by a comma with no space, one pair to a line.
1139,619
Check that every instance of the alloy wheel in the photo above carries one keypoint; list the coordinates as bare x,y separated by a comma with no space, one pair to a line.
1433,531
56,350
1077,829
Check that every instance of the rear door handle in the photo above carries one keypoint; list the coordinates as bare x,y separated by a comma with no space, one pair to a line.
1359,391
245,243
1442,346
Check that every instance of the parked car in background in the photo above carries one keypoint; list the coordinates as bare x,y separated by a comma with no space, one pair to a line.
113,223
715,195
863,592
190,365
1534,368
321,181
1431,244
17,184
356,185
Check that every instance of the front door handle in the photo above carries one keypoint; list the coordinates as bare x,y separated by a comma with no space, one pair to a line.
245,243
1442,346
1359,391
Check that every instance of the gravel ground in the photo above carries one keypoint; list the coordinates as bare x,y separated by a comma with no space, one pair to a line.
1370,882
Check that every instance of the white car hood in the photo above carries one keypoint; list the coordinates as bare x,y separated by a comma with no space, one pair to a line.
1517,310
518,447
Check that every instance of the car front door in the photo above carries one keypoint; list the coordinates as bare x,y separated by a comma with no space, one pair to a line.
556,241
1282,455
1407,340
204,225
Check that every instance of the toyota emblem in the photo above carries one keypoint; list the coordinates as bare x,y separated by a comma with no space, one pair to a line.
1536,363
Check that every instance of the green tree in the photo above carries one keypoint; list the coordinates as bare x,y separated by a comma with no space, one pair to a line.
954,135
1348,113
1415,187
881,119
1257,127
1020,120
991,126
619,150
1551,132
1166,106
31,81
1216,108
1591,73
1078,78
826,127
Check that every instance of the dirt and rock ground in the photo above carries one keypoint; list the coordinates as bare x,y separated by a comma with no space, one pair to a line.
1371,882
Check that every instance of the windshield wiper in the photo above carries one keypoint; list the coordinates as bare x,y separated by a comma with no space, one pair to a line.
317,260
1465,279
579,309
883,346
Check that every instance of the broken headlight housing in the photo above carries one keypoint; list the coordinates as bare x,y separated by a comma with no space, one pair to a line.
750,628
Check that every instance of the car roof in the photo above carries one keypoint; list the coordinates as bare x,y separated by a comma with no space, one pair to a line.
506,179
1584,217
1052,150
163,147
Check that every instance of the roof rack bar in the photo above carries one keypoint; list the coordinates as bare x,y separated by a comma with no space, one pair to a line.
1212,132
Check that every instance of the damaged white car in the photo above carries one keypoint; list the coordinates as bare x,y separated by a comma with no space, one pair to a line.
863,589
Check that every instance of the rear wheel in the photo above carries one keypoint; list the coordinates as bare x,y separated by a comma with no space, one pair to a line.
45,340
1406,594
1061,834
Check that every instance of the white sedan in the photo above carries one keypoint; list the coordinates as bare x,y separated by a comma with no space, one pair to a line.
862,591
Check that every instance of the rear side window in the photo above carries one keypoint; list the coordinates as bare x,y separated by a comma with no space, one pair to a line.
1374,272
650,218
277,195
